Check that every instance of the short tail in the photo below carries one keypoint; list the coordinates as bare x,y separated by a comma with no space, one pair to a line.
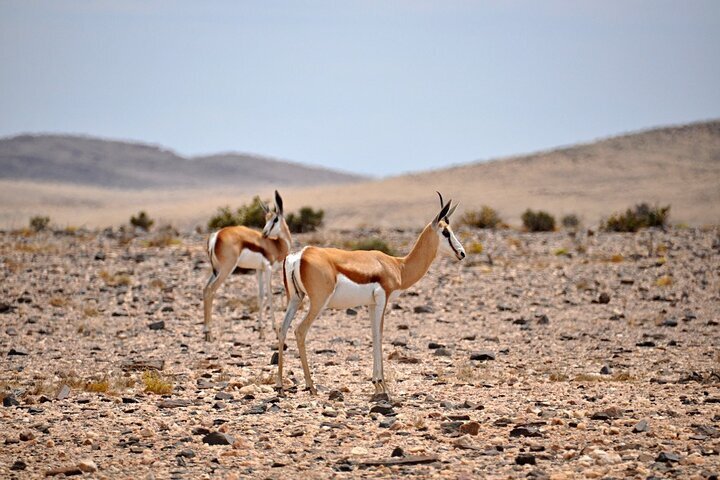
211,251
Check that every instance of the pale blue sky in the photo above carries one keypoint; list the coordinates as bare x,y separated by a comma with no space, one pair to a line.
377,87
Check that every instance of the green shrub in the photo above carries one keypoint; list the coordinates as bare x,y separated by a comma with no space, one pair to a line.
39,223
142,221
252,215
570,221
641,216
306,220
486,217
539,221
370,244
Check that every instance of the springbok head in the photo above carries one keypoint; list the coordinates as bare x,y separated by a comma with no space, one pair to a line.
448,241
273,218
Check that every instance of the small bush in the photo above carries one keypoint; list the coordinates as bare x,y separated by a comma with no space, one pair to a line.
475,248
539,221
370,244
39,223
570,221
142,221
252,215
99,386
641,216
306,220
486,217
165,237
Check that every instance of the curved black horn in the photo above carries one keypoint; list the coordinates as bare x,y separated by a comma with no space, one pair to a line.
279,202
442,204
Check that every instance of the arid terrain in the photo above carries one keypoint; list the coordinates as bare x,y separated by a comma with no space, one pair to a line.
551,355
679,166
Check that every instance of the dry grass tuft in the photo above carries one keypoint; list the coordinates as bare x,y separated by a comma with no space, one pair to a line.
664,281
97,386
617,377
475,248
155,383
157,283
617,258
114,280
58,301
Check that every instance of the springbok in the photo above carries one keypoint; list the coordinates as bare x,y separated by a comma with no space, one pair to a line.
240,246
336,278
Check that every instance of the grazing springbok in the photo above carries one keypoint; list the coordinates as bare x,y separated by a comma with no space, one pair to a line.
232,247
336,278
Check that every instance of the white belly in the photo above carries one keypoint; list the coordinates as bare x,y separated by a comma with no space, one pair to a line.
350,294
250,259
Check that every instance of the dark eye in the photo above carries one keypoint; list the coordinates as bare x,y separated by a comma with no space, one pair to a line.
445,233
275,220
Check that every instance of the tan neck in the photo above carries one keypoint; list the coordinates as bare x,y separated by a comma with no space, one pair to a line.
418,261
280,246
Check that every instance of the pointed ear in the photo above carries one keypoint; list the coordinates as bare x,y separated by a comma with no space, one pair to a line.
279,202
449,214
442,213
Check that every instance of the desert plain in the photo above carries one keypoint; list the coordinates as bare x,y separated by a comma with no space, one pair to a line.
542,355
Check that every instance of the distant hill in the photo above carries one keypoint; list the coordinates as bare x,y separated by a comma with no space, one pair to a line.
677,165
107,163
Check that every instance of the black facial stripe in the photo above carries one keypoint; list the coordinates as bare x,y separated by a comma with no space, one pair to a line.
450,241
445,233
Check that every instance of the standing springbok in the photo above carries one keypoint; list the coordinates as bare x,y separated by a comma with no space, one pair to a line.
340,279
243,247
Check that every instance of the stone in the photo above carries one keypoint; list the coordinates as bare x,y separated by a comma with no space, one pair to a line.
525,431
408,460
27,436
157,325
336,395
15,352
442,352
218,438
603,298
668,457
383,408
435,345
641,426
606,370
68,471
359,451
470,428
174,403
19,465
607,414
224,396
87,465
351,311
187,453
63,393
275,358
525,459
10,401
397,452
482,356
423,309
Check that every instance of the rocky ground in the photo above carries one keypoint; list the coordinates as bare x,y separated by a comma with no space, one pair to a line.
543,356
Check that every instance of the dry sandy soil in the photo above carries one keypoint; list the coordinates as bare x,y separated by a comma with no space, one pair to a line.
544,356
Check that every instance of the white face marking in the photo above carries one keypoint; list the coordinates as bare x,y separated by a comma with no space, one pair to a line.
449,243
250,259
350,294
272,227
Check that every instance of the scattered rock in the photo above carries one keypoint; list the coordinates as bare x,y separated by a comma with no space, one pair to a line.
603,298
10,401
68,471
434,345
667,457
607,414
525,459
63,393
174,403
408,460
470,428
423,309
275,358
27,436
383,408
224,396
87,465
397,452
482,356
525,431
14,352
606,370
157,325
351,311
442,352
218,438
336,395
19,465
641,426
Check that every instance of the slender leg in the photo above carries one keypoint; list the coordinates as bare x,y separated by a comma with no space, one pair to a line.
377,313
261,301
292,309
211,287
300,332
268,288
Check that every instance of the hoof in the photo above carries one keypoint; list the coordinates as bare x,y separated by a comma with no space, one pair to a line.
208,337
311,390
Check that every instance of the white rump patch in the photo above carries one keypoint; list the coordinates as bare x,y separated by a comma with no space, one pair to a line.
292,264
253,260
350,294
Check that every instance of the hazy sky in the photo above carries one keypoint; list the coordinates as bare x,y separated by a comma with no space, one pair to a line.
378,87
